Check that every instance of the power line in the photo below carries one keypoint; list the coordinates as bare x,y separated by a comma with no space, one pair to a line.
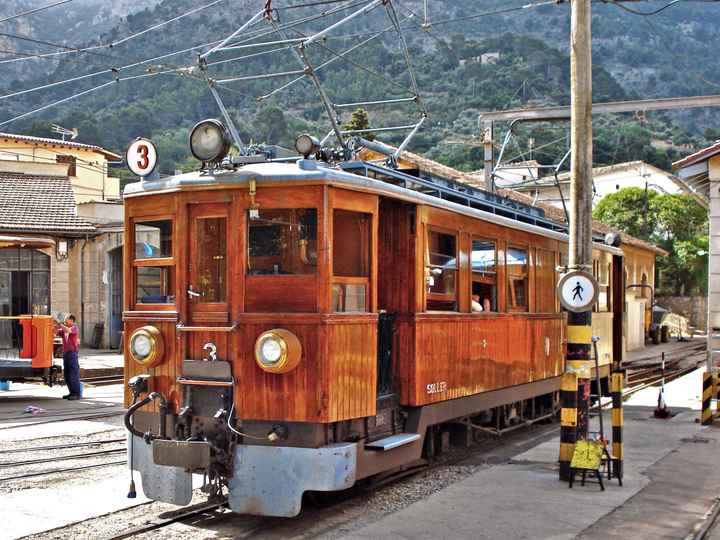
29,12
80,94
48,43
105,71
642,13
119,41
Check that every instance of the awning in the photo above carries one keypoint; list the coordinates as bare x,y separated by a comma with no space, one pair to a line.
25,241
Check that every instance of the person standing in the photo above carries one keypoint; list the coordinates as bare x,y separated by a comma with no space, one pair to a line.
68,331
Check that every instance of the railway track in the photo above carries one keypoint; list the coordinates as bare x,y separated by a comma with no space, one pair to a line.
36,457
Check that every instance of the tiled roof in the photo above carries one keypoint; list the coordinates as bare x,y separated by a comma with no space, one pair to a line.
698,156
31,203
58,142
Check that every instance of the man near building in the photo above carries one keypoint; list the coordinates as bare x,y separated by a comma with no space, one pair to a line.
68,331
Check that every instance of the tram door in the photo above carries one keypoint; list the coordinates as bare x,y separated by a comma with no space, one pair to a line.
208,302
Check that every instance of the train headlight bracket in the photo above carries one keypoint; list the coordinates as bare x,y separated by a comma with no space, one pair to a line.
277,351
146,346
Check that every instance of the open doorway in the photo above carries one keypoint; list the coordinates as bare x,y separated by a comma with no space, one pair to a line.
115,282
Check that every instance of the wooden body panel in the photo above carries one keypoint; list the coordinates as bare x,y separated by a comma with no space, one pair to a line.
164,375
460,355
335,379
436,355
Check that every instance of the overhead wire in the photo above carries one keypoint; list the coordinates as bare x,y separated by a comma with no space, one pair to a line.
80,94
119,41
49,44
34,10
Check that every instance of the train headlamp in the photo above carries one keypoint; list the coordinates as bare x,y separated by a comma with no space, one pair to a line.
146,346
278,351
209,141
306,144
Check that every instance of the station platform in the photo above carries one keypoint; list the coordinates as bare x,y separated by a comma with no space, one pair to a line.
99,363
671,481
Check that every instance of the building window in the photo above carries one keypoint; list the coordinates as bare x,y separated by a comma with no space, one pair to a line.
153,239
484,276
283,242
441,269
517,271
351,261
71,161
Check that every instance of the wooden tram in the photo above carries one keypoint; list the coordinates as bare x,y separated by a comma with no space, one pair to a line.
297,327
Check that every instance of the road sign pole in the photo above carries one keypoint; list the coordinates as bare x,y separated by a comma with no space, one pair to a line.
579,331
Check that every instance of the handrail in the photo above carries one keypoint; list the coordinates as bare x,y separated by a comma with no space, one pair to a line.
227,329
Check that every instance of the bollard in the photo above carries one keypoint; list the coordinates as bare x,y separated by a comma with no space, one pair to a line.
706,415
716,391
616,388
568,422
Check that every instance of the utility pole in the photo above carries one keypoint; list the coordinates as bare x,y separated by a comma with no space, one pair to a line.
579,331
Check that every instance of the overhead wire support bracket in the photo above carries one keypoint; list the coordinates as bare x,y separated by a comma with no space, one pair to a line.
367,9
231,125
310,72
225,41
407,140
378,102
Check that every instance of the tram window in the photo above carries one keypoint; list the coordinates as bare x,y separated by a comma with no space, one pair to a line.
517,270
153,239
442,271
351,261
283,242
211,258
351,243
155,285
484,276
349,297
603,278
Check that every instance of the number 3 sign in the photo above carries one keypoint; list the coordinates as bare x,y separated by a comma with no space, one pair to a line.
141,157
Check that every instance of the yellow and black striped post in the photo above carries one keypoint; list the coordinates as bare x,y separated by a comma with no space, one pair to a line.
716,392
616,388
568,422
706,415
579,344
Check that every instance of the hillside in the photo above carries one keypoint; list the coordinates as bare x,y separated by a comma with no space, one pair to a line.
532,69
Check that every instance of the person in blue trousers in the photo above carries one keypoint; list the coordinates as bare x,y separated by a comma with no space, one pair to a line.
68,331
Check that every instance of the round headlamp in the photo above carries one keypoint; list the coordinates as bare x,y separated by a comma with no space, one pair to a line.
306,144
209,140
278,351
146,346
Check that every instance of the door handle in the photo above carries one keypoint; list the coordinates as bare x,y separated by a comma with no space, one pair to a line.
193,294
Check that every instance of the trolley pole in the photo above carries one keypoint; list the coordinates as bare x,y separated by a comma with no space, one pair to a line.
579,331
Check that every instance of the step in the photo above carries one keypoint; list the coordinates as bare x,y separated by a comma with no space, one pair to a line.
393,441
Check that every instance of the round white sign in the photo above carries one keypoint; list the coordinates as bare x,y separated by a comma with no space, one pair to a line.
578,291
141,157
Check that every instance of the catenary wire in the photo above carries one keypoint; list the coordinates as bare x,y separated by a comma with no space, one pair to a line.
122,40
35,10
49,44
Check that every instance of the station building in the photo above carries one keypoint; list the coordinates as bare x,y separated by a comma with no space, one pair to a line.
60,236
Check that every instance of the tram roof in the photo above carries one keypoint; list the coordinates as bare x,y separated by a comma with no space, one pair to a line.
308,171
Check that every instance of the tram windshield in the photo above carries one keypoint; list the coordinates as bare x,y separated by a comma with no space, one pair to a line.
282,241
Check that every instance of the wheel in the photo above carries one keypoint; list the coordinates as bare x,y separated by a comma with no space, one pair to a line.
665,334
655,336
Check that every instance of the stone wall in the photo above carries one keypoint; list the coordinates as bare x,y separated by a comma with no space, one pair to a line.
693,308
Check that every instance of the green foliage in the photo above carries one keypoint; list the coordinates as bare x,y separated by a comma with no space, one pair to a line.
360,120
677,223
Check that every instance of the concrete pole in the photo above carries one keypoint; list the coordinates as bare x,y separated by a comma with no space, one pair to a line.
579,324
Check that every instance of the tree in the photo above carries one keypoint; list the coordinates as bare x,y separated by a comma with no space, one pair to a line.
358,121
271,126
677,223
